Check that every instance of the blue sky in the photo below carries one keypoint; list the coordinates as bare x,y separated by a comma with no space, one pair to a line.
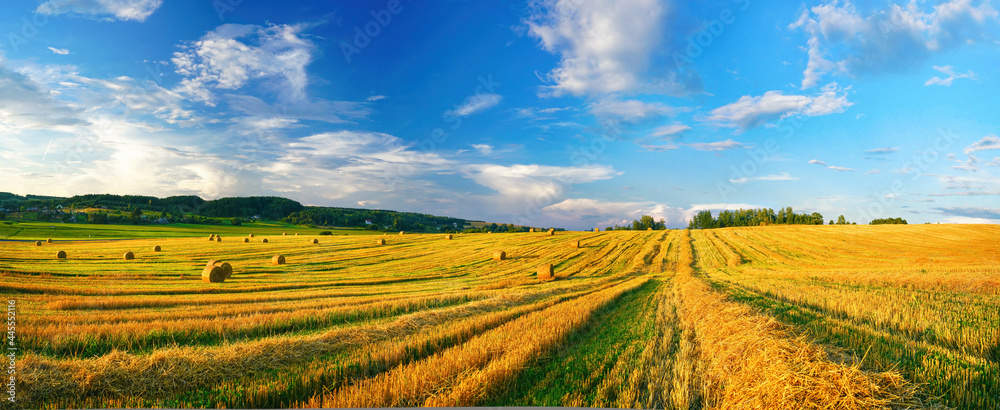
572,113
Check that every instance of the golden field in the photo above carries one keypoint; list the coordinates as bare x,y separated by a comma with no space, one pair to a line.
765,317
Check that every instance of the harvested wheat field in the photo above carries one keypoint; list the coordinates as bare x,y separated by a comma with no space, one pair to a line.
791,317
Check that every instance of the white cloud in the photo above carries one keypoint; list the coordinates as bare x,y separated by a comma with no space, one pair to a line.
989,142
605,45
61,51
833,167
234,54
718,146
484,149
843,41
886,150
952,76
669,131
535,182
784,176
585,213
137,10
475,104
337,165
659,148
375,98
749,112
629,110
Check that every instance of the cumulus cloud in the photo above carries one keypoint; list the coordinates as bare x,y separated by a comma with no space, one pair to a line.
232,55
844,41
749,112
475,104
952,76
989,142
586,213
136,10
606,46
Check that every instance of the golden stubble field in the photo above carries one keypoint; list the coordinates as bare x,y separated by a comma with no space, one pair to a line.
775,317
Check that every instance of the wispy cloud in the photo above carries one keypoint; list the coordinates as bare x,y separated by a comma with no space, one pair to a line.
886,150
669,131
833,167
62,51
952,76
137,10
475,104
784,176
718,146
484,149
375,98
989,142
630,110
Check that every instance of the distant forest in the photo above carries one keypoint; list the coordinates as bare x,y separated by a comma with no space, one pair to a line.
137,209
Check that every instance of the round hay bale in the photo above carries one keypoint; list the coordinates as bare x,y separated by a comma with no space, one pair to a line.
402,233
246,240
649,229
574,244
532,230
61,255
263,240
157,248
545,272
128,256
218,239
315,241
277,260
551,232
597,229
499,255
448,237
227,269
284,234
380,242
489,231
296,234
251,235
212,262
48,240
38,243
213,274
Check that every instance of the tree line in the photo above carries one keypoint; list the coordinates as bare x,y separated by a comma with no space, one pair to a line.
753,217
